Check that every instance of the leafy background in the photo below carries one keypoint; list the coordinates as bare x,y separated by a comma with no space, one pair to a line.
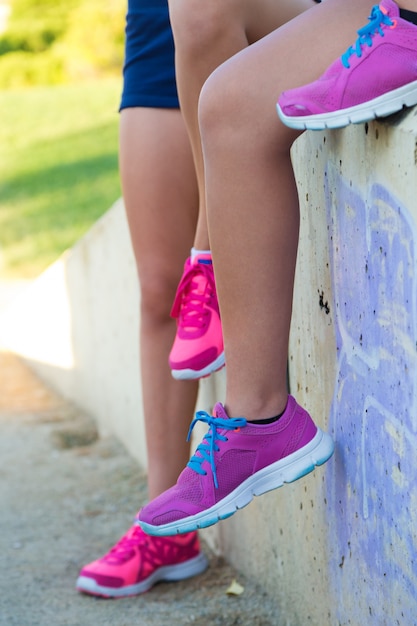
60,81
61,41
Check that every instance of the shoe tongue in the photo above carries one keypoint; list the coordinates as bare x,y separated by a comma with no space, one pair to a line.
389,7
199,280
220,411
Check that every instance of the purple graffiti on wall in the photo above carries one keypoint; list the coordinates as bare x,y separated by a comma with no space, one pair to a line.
373,481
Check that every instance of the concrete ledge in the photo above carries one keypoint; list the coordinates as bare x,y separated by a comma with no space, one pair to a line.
77,327
339,546
342,539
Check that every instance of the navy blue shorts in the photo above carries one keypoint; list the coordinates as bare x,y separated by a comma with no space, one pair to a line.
149,67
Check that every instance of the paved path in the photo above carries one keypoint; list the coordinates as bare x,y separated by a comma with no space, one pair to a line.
66,497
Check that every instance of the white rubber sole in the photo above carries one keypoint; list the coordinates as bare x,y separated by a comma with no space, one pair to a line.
384,105
169,573
188,374
287,470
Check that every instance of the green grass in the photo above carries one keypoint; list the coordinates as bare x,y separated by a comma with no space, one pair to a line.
58,170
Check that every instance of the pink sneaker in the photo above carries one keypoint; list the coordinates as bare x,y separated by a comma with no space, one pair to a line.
374,78
198,346
138,561
236,461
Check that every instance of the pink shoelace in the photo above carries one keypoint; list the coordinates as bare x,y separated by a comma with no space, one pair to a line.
125,547
190,304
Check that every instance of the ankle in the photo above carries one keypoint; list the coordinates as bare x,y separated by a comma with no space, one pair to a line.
409,5
256,411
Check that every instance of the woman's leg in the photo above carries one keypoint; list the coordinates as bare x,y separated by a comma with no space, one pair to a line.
252,197
160,194
253,224
161,199
206,34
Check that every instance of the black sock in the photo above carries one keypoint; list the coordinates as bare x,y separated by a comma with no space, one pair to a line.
410,16
268,420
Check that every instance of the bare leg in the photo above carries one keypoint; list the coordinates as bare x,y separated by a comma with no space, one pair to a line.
252,198
253,226
206,34
160,194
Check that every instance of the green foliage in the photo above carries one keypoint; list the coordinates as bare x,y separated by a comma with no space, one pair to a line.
21,69
94,42
34,25
57,41
58,170
19,40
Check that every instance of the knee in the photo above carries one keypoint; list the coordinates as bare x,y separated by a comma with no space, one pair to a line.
235,119
197,26
157,295
218,111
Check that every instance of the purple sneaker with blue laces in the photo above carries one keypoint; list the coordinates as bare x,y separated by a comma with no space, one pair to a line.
374,78
236,461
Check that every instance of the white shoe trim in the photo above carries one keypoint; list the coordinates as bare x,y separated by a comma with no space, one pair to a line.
188,374
181,571
386,104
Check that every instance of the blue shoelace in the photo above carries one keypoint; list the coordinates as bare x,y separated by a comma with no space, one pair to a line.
208,446
376,19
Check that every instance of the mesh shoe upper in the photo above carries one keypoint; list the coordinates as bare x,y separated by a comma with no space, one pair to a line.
135,557
383,59
199,341
232,452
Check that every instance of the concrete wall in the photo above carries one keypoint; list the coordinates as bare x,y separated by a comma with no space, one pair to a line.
362,351
339,546
77,326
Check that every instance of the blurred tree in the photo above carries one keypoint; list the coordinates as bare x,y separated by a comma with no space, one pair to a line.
56,41
94,41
